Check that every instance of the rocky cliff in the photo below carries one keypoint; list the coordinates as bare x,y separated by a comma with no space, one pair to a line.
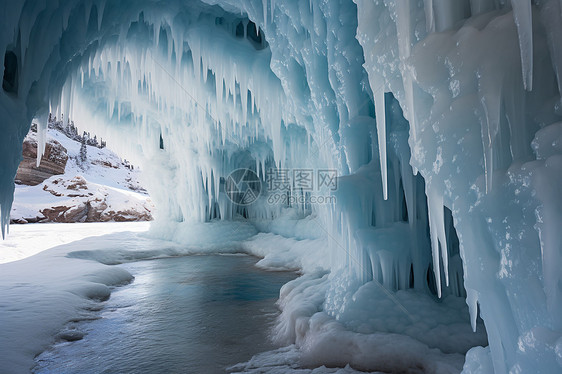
52,163
76,182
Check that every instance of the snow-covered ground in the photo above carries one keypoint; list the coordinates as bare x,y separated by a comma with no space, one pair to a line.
103,182
39,294
27,240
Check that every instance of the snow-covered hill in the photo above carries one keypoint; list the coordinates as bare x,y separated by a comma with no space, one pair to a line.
96,186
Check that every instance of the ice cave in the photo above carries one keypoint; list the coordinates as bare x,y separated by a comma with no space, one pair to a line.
408,153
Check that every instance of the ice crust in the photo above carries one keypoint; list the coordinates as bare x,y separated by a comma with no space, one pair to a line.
419,105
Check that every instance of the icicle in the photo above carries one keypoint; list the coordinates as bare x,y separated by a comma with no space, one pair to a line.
408,184
490,128
196,54
110,107
170,46
4,219
472,302
205,68
264,3
72,90
156,35
429,15
523,16
434,251
438,236
381,136
66,101
443,239
244,99
179,54
218,87
41,137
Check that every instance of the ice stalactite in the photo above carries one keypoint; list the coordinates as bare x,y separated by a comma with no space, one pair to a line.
378,94
491,101
41,138
523,15
438,237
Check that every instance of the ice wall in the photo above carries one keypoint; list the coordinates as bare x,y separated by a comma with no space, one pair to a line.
476,93
418,106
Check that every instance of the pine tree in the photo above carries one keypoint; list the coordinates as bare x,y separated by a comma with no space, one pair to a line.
83,157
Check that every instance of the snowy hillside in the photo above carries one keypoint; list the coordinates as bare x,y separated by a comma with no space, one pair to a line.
96,186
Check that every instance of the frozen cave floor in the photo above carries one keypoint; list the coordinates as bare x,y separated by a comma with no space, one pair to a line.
51,274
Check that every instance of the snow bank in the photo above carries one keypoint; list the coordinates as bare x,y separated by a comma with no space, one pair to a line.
43,292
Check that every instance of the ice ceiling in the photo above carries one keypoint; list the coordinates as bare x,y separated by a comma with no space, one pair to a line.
418,105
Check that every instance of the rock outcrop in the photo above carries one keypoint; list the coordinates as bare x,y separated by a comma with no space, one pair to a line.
52,163
90,203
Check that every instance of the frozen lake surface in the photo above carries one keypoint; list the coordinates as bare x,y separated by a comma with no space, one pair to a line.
192,314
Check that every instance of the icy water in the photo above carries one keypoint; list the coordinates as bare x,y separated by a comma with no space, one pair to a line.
195,314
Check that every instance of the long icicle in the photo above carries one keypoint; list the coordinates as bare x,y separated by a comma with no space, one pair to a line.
381,134
41,138
438,236
523,16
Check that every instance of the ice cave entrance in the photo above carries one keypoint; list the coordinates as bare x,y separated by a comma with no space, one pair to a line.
403,156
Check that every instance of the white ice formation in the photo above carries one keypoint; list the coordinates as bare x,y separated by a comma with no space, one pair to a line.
442,118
